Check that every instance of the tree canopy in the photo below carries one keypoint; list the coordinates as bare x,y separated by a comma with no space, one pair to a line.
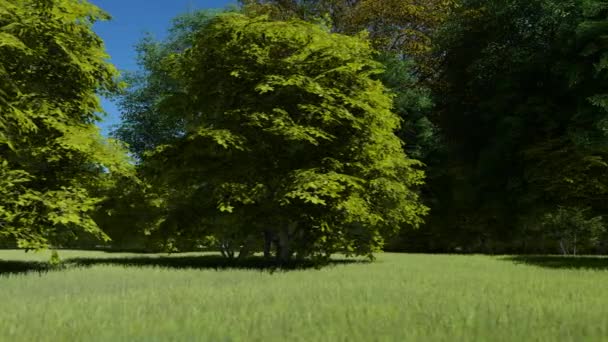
288,134
52,67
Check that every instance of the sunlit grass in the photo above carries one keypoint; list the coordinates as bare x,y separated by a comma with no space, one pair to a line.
401,297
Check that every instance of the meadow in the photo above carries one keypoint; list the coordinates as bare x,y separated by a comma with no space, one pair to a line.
103,296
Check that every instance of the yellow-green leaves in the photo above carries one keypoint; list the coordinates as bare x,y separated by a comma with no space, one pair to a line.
52,66
263,88
317,187
8,40
222,137
286,129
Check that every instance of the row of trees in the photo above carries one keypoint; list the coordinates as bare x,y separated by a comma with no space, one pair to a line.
278,126
522,108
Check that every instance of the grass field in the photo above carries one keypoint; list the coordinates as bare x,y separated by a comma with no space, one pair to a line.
400,297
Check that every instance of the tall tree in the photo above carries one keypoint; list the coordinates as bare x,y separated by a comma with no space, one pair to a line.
288,134
52,66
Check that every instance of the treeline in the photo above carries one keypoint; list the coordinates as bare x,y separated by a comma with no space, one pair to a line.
302,128
505,103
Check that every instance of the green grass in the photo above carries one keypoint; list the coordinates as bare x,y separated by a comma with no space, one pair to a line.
401,297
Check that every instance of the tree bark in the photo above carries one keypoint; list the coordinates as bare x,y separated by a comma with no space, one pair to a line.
278,246
601,247
563,247
284,250
267,244
300,256
226,250
245,249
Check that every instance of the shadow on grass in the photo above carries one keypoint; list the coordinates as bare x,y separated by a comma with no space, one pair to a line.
174,262
556,261
8,267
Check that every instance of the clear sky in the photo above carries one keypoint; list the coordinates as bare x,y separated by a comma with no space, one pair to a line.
130,20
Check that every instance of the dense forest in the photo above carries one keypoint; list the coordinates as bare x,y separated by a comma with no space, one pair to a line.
302,128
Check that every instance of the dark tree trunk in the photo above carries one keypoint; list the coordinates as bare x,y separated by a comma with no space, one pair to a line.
245,249
303,246
226,249
278,247
601,247
300,255
284,248
222,251
267,243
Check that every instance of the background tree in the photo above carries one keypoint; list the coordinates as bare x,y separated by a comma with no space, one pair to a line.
573,229
51,154
524,115
286,133
145,125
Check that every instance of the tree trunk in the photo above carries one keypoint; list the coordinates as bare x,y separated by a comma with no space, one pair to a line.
284,250
601,247
245,249
267,244
300,256
226,250
277,244
563,247
574,247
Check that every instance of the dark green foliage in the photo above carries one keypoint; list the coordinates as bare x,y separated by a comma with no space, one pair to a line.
412,102
523,113
126,212
573,229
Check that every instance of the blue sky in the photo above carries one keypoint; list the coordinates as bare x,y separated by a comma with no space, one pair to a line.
130,20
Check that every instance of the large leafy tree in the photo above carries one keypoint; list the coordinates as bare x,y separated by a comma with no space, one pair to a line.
52,67
286,134
401,32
